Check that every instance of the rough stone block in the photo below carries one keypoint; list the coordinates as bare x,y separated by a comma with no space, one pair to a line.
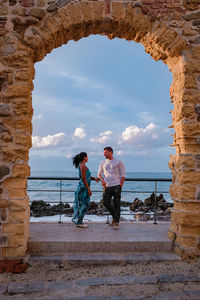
185,160
188,177
17,194
86,9
187,205
51,24
14,91
18,183
16,240
38,13
21,170
4,171
3,240
14,252
74,13
17,217
19,205
5,110
4,203
189,231
14,228
186,218
2,215
186,241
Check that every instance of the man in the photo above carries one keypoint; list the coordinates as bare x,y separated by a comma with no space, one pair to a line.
112,175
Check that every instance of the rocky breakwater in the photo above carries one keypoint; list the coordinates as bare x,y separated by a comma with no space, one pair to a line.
141,211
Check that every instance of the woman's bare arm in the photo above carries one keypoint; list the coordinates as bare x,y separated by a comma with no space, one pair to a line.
83,176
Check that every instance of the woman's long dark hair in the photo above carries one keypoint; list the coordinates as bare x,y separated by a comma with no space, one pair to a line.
78,159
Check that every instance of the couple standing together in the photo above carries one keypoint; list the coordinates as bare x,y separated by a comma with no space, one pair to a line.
111,173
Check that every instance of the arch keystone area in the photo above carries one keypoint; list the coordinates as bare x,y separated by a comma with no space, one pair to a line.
29,29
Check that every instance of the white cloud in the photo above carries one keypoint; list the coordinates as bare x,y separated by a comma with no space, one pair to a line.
80,132
69,155
146,117
137,135
49,141
103,137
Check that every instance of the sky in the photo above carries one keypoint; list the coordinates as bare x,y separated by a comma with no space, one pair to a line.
96,93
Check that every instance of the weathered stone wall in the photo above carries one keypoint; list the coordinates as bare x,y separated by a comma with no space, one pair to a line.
29,29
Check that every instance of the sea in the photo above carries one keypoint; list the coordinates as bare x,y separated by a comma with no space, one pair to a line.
56,190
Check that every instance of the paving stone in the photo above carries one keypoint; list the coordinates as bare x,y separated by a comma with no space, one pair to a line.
46,258
15,287
94,297
151,279
192,277
91,281
193,294
172,296
178,278
171,278
3,288
163,257
55,286
122,297
117,280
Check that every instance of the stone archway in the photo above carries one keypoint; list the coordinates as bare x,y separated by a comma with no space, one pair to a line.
29,29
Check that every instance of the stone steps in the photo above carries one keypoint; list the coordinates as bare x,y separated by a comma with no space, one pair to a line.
100,244
99,247
101,259
99,238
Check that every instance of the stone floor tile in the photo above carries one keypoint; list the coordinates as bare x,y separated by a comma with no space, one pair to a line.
91,281
3,288
16,287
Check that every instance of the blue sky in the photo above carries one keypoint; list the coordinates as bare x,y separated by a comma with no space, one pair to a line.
99,92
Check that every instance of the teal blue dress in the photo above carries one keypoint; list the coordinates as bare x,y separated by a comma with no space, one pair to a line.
82,199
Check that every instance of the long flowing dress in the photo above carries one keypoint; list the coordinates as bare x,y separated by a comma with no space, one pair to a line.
82,199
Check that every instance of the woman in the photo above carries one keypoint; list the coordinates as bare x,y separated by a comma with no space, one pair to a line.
83,191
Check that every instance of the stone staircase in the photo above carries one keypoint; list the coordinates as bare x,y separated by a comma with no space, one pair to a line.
65,244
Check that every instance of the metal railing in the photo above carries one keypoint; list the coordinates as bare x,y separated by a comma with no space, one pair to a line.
61,190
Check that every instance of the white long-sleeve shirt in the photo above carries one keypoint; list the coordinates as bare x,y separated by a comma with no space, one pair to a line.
112,170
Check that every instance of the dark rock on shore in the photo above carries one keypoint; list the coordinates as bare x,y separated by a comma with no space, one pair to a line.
41,209
137,203
142,210
149,204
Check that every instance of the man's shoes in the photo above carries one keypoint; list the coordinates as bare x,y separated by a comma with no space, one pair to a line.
112,223
116,226
82,225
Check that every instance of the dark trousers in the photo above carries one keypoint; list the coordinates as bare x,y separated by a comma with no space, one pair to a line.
113,208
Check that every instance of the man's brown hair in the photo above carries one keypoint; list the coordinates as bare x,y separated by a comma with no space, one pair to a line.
109,149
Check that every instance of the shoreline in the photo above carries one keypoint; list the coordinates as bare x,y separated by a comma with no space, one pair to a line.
135,211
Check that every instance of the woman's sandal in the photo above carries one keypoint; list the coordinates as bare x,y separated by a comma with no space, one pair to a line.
82,225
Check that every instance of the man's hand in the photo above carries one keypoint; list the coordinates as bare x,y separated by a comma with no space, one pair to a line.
103,183
122,182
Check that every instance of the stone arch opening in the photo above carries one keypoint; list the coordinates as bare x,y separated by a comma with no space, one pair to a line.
30,30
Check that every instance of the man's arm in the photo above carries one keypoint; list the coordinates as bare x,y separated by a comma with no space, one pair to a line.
99,175
122,173
122,181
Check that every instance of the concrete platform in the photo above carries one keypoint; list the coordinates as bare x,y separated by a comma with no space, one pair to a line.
99,238
99,244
